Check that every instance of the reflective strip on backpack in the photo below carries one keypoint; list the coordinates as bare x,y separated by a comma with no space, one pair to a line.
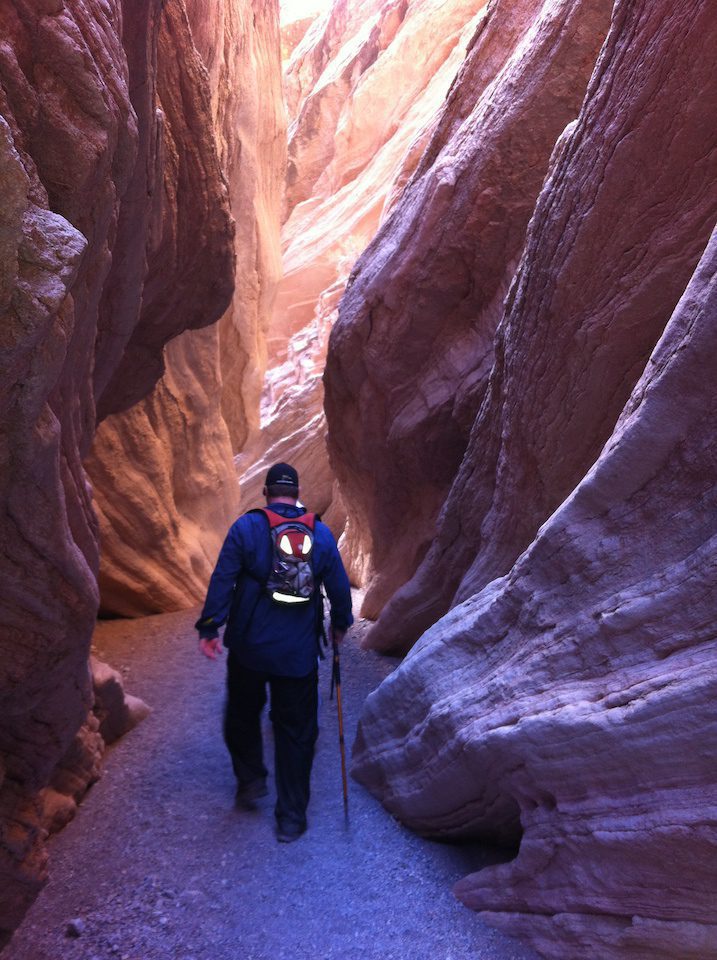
287,598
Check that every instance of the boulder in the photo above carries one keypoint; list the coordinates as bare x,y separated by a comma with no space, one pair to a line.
117,712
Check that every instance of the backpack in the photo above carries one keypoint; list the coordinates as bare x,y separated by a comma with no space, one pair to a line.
291,579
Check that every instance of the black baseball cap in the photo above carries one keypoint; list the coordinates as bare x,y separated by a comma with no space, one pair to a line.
282,475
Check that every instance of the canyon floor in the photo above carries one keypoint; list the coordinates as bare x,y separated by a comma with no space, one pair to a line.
158,864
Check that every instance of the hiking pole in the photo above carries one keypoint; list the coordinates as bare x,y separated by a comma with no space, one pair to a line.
336,684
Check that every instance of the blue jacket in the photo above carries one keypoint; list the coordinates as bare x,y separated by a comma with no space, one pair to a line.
262,635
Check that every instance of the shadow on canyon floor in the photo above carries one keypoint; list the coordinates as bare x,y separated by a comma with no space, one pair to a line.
158,864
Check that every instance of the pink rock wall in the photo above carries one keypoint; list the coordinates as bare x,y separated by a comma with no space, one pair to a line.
411,352
241,46
163,514
593,294
159,548
80,166
567,698
363,88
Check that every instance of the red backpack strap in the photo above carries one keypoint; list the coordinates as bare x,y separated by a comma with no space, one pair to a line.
276,519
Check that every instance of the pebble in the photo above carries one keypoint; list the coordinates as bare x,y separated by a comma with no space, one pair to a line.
75,928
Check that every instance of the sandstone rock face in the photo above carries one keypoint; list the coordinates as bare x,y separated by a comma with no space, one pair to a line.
85,241
577,693
363,88
174,448
411,352
567,698
185,284
240,44
164,513
159,545
592,296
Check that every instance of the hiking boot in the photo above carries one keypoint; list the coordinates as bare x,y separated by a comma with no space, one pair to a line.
288,832
248,793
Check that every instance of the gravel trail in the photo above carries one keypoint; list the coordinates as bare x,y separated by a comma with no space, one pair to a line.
158,864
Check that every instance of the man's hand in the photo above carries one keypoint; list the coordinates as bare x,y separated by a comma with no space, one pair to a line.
337,635
210,648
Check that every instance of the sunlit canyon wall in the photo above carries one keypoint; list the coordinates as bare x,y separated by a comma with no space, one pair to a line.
116,174
163,515
363,87
524,428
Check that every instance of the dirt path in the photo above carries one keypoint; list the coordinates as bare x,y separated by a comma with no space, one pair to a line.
158,864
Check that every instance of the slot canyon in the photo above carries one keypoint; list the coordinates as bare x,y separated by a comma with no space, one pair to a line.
456,261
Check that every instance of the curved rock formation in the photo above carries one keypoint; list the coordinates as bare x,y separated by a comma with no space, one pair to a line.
568,696
411,352
159,549
615,236
81,248
577,693
114,713
363,89
165,486
240,44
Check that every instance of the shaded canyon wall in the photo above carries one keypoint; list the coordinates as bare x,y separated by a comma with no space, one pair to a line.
413,346
107,178
566,700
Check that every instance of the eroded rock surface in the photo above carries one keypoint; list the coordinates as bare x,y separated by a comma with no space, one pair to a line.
412,349
240,44
159,547
616,234
363,89
164,510
575,697
568,696
91,270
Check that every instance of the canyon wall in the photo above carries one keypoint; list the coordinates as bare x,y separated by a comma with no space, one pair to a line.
566,700
107,179
165,488
363,87
241,47
413,346
545,414
163,517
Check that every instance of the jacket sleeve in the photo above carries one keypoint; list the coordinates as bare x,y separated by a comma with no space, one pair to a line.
222,583
338,588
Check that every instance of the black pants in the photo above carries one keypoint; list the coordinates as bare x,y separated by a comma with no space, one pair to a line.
293,714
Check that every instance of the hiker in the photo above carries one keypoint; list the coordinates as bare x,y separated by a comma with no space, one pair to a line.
266,586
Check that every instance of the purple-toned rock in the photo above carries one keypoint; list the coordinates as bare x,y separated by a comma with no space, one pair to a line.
621,221
364,87
573,701
410,355
117,712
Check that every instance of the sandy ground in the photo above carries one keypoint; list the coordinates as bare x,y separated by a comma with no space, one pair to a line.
158,864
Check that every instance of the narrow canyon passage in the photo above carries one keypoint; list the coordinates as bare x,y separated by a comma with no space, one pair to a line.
182,874
455,261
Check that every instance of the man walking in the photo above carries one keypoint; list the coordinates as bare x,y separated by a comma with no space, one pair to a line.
266,587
